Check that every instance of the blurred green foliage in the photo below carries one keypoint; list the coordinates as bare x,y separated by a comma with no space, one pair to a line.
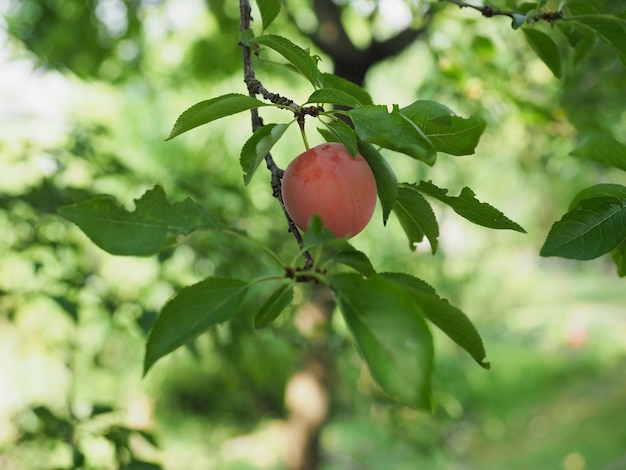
73,319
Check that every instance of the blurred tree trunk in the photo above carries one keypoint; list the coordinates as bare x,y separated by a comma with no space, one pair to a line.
307,392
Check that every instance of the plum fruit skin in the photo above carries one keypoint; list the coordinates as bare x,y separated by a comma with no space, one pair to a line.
327,181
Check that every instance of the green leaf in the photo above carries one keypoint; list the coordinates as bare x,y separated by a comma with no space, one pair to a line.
518,20
355,259
333,96
295,55
619,258
318,236
269,11
245,37
390,333
547,50
152,227
595,227
602,149
394,131
467,206
191,312
611,29
449,319
448,132
338,83
278,301
416,217
258,146
604,190
343,133
210,110
386,181
579,38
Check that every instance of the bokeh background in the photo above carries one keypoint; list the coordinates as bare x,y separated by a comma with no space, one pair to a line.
89,92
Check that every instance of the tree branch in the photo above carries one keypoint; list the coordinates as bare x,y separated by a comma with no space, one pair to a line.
349,61
488,11
255,87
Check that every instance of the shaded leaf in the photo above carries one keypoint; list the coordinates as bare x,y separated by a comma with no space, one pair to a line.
355,259
449,319
152,227
416,217
610,29
602,149
210,110
339,131
619,258
334,96
258,146
518,20
386,181
273,306
547,50
448,132
269,11
580,39
595,227
467,206
390,333
140,465
295,55
191,312
392,130
338,83
604,190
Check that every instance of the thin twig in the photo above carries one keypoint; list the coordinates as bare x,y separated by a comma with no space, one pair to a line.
255,87
488,11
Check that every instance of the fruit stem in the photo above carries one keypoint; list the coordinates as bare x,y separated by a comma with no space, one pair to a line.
300,120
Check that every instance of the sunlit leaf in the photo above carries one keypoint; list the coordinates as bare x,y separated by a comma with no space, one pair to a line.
602,149
191,312
338,83
386,181
594,227
150,228
274,305
210,110
547,50
392,130
467,206
390,333
258,146
449,319
295,55
269,11
448,132
416,217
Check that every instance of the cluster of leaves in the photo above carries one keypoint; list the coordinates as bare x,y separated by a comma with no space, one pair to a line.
52,428
595,223
580,24
386,313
